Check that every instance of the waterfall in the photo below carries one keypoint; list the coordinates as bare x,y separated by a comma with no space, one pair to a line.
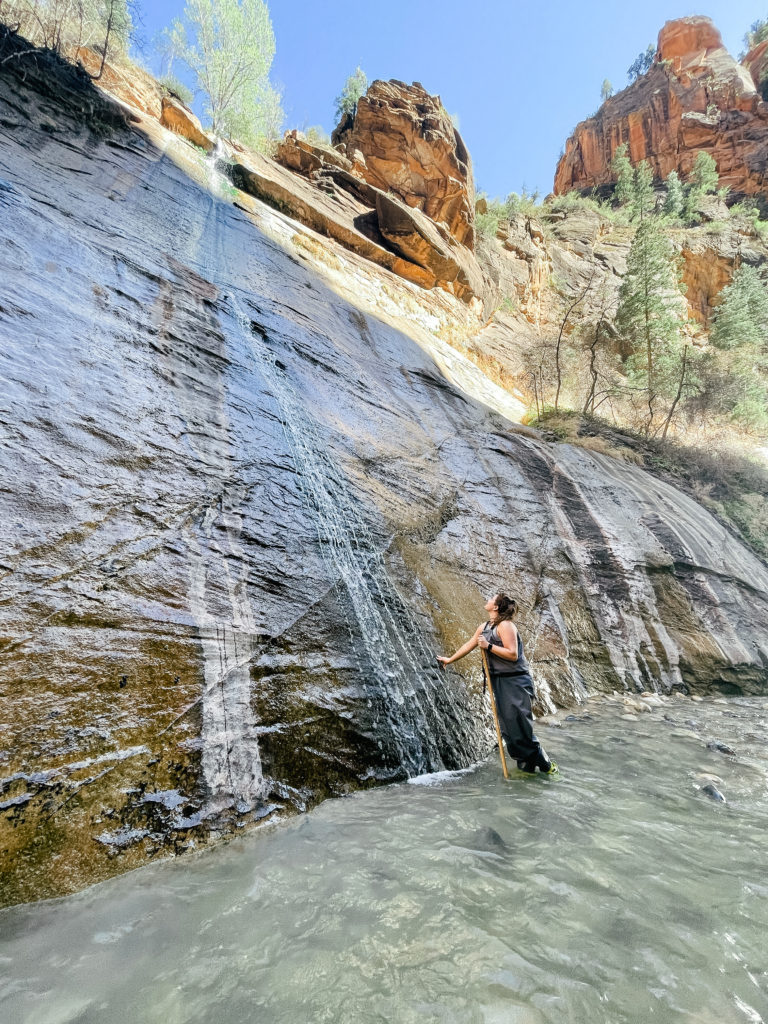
395,662
231,763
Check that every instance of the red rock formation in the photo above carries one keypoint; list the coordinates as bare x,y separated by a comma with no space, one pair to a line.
127,82
695,97
401,140
181,120
756,62
401,158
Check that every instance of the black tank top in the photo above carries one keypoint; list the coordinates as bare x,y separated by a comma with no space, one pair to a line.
500,666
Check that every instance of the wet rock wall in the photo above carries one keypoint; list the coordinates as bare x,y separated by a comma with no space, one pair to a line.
240,517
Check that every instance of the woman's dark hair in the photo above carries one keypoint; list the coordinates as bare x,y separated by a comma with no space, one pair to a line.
506,607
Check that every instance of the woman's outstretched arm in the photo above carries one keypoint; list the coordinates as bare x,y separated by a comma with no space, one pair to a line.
470,645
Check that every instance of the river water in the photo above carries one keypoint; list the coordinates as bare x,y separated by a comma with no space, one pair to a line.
619,892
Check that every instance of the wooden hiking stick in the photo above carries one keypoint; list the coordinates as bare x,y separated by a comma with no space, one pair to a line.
495,713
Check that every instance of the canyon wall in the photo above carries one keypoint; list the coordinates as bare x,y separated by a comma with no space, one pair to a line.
695,98
254,482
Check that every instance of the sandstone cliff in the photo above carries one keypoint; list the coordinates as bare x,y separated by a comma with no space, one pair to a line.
257,481
696,97
406,166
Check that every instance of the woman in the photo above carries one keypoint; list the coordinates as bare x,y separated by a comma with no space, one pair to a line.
511,681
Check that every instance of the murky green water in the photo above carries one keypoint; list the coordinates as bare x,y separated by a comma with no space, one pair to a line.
620,893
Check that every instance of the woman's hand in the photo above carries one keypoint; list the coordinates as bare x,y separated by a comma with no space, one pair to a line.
442,662
483,643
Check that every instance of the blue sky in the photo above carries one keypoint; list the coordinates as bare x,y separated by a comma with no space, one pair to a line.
520,75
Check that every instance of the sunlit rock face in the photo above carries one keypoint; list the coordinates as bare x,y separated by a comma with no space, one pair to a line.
241,514
402,140
695,98
400,176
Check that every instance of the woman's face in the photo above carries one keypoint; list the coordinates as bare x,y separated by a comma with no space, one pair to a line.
490,605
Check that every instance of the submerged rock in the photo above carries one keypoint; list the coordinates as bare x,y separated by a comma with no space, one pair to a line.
721,748
711,790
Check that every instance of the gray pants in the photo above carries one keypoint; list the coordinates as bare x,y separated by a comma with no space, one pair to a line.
513,703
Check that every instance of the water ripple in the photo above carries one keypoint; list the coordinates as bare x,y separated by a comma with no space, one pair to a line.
618,894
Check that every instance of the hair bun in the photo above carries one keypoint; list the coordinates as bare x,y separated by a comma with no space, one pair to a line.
506,606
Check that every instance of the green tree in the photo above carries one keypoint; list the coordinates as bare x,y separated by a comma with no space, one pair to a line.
642,63
354,87
229,46
643,198
649,315
621,167
606,90
634,185
68,26
175,87
675,199
703,180
758,31
704,175
742,316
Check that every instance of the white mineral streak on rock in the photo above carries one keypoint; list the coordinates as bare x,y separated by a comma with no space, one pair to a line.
231,762
650,523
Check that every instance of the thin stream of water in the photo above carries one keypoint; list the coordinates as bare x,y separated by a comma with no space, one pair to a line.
619,894
403,679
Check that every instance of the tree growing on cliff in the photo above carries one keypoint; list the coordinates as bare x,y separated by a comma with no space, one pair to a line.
758,31
642,63
703,180
67,26
643,198
354,87
229,46
650,316
571,308
634,185
621,167
597,338
606,90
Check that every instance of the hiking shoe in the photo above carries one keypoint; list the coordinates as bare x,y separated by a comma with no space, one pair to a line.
529,769
552,770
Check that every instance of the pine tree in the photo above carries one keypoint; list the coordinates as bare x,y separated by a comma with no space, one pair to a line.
354,87
643,198
704,175
703,180
642,63
675,200
606,90
742,316
649,316
625,176
758,31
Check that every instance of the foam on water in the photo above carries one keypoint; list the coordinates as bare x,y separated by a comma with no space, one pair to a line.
438,778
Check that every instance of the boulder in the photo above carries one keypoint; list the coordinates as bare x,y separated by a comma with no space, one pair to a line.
181,120
420,241
687,36
297,154
407,240
401,140
331,210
